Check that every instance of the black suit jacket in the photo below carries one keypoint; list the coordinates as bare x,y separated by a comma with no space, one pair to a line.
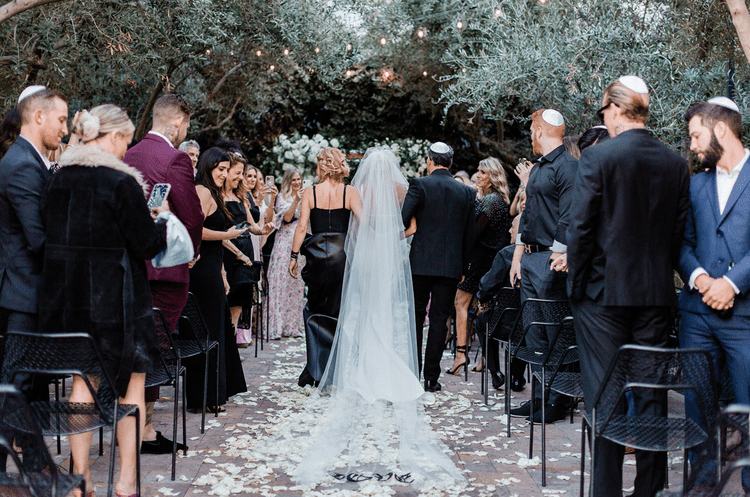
23,176
630,203
444,209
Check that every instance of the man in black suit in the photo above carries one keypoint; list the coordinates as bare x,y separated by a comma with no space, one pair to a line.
24,171
444,212
630,203
541,237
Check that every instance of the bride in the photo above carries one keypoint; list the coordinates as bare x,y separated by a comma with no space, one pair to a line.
369,421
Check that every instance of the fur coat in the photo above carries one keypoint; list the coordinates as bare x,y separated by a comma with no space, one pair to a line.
94,280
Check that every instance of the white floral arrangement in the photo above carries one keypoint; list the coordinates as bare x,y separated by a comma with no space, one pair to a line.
301,151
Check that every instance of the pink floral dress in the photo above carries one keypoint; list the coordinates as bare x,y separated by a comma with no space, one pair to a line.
285,294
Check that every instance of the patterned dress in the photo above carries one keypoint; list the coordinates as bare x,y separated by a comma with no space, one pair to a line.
285,294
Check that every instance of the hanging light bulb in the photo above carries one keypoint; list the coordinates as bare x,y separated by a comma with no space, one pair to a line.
208,52
386,74
460,25
272,67
498,13
542,2
383,41
349,73
348,46
421,33
317,50
286,51
258,53
463,69
424,74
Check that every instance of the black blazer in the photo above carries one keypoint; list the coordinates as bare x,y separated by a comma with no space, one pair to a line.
630,203
444,209
22,179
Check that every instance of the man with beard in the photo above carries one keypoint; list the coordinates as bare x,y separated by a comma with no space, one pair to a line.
627,218
541,240
715,258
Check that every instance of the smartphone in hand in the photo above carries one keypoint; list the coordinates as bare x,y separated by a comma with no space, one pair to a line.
158,195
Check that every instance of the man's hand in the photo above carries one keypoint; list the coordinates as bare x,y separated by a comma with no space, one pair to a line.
515,266
559,263
192,263
720,295
703,282
523,170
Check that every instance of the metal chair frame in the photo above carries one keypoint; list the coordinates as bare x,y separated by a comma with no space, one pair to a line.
506,302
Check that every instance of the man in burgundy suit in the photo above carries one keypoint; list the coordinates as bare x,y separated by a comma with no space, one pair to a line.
160,162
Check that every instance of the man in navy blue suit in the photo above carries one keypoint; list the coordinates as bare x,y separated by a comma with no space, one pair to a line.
715,256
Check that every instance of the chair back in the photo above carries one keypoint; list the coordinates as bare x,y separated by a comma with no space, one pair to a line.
537,312
640,367
197,324
505,307
16,417
562,348
167,350
59,354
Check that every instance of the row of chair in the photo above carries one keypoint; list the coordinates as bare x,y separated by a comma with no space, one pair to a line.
634,368
76,354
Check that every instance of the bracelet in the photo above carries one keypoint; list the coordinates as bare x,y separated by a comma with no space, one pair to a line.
294,255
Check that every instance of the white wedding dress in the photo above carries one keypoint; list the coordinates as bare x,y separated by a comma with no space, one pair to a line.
369,421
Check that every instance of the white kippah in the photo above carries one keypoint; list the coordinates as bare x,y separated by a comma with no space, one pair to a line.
440,148
553,118
599,126
634,83
30,90
725,102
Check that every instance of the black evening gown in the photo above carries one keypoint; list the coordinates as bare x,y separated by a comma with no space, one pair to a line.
241,278
208,287
324,275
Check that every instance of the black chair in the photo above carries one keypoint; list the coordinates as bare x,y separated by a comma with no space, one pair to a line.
193,328
506,305
562,351
167,372
70,354
535,313
657,369
15,416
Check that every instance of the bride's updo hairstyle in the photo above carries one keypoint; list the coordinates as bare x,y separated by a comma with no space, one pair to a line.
332,164
102,119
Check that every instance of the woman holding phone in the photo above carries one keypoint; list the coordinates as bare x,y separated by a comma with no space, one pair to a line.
208,285
239,254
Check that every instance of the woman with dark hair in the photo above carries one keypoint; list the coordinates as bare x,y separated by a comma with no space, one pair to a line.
208,284
593,136
9,130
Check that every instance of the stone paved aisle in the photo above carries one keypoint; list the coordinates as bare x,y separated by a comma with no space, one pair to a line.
493,464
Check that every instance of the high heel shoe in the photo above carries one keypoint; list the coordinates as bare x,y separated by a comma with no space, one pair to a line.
454,370
479,368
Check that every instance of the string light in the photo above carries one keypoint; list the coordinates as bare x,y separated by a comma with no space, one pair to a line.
542,2
258,53
386,74
459,25
420,33
383,41
424,74
286,51
317,50
272,67
349,73
498,13
349,46
312,71
463,69
208,52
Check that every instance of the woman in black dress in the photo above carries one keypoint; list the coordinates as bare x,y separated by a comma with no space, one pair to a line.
327,207
239,254
208,284
493,222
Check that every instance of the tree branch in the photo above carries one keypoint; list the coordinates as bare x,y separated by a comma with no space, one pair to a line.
15,7
741,21
226,119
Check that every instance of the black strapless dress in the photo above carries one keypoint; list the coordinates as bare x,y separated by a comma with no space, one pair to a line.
324,276
208,287
241,278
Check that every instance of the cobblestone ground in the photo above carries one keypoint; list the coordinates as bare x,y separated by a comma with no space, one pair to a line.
474,433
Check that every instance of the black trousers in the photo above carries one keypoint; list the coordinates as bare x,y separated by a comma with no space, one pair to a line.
34,388
443,292
600,332
538,281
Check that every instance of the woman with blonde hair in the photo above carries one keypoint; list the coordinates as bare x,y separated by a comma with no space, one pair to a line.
327,206
492,224
285,294
99,234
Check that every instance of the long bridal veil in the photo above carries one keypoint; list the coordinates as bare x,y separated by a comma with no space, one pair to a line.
370,422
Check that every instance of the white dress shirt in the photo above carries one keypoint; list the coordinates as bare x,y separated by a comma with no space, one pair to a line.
724,184
152,132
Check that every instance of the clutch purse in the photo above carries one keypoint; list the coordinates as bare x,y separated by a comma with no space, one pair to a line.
179,249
